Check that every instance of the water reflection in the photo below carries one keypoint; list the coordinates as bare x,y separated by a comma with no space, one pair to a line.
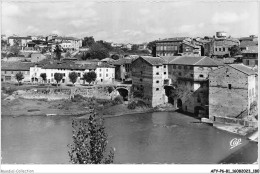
141,138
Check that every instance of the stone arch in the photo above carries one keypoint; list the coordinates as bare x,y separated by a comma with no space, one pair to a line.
179,104
124,92
168,92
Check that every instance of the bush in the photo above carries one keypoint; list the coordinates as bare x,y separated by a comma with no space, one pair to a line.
118,100
131,105
138,94
77,98
103,101
110,89
8,90
141,103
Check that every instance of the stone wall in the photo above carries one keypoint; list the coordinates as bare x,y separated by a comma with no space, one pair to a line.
228,92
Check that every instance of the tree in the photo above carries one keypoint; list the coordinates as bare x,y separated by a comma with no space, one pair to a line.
90,76
67,54
73,77
151,45
105,44
57,52
85,56
97,51
235,50
88,41
19,77
89,142
15,50
134,47
115,56
43,76
58,77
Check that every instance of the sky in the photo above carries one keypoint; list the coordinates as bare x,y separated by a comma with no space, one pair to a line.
129,21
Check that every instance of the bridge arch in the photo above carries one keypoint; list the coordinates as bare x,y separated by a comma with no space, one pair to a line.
124,92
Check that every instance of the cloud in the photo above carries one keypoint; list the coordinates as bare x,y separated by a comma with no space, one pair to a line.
56,32
228,17
144,11
132,32
10,10
32,29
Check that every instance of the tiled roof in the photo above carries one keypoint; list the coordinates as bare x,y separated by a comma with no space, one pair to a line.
248,43
194,60
168,59
175,39
123,61
251,49
16,66
154,60
17,37
66,38
243,68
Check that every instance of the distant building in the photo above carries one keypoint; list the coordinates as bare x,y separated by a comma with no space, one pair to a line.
148,79
250,38
188,48
105,73
220,45
170,46
250,56
20,41
71,42
123,68
10,69
232,90
142,46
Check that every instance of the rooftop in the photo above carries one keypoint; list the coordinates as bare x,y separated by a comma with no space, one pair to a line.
18,37
243,68
175,39
248,43
16,66
153,60
168,59
251,49
194,60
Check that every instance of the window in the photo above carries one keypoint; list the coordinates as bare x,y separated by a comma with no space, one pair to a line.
52,74
185,67
100,75
157,81
141,72
219,49
164,66
157,89
229,86
164,73
201,75
107,70
64,74
106,75
100,70
157,73
179,73
157,66
173,66
198,100
12,72
179,66
216,49
141,80
247,62
224,49
256,62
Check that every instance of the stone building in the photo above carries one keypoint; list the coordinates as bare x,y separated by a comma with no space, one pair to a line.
123,68
148,78
250,56
10,69
170,46
190,76
232,90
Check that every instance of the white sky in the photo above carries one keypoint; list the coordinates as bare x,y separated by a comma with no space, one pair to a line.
125,21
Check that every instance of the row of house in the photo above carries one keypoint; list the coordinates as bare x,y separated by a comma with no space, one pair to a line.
201,85
32,71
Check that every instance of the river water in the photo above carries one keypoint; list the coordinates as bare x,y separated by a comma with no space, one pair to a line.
161,137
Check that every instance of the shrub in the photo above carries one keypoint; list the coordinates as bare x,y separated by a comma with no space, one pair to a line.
8,90
77,98
138,94
110,89
141,103
118,100
131,105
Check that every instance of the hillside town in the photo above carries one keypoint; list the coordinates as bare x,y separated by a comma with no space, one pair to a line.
213,78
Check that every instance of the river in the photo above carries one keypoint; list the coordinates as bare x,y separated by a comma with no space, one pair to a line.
161,137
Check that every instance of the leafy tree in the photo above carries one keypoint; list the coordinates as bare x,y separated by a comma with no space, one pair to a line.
89,142
134,47
98,51
110,89
43,76
105,44
115,56
19,77
235,50
151,45
57,52
15,50
85,56
90,76
73,77
58,77
88,41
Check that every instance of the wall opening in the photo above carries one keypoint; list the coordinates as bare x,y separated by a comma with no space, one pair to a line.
124,93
